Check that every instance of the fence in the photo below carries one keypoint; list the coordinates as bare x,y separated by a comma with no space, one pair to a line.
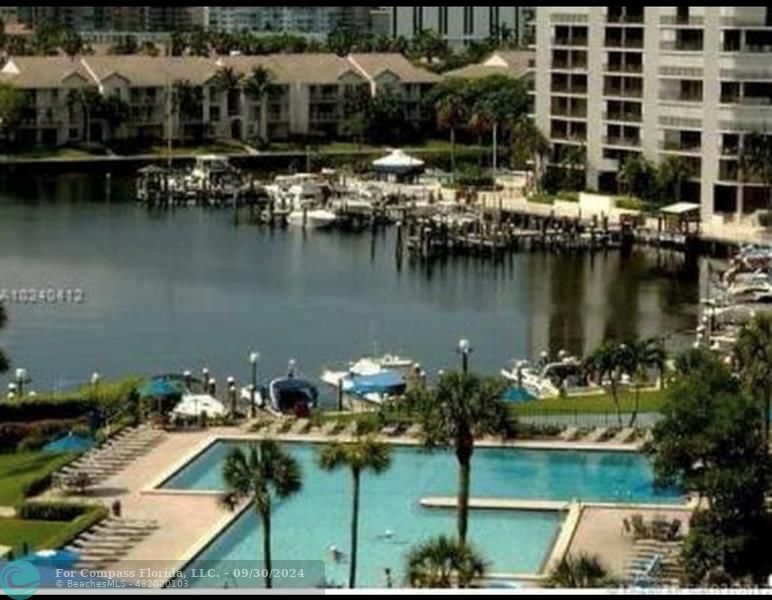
566,418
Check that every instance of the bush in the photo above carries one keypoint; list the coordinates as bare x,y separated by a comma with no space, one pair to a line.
50,511
475,177
765,218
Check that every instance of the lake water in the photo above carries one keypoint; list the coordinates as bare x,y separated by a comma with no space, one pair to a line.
187,289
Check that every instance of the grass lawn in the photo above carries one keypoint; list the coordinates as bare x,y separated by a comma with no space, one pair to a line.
20,468
650,401
15,532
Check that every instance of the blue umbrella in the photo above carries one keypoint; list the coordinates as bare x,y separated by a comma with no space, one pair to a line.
70,443
517,395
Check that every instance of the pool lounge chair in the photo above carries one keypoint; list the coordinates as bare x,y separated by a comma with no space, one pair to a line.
625,436
597,435
414,430
390,430
349,430
328,428
569,434
299,426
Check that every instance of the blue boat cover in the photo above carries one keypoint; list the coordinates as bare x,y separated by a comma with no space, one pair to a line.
70,443
384,382
517,394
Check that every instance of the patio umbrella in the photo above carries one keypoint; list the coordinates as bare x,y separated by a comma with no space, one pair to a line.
70,443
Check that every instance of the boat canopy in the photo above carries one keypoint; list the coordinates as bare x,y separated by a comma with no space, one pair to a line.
397,161
383,382
290,392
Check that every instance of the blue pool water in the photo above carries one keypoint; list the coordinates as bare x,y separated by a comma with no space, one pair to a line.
513,541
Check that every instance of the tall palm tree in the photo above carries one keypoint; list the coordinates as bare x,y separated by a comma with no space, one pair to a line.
459,408
441,562
365,454
583,571
89,100
641,357
754,353
257,475
187,102
529,145
608,362
4,362
452,113
756,160
256,87
226,80
674,172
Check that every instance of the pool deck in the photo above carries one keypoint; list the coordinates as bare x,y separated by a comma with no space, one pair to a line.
189,520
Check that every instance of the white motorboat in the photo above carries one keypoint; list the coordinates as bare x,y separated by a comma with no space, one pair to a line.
373,378
548,379
312,218
195,405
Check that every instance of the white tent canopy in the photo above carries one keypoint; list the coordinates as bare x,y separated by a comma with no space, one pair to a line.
679,208
398,161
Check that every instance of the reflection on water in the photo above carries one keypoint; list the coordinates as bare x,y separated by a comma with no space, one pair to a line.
187,289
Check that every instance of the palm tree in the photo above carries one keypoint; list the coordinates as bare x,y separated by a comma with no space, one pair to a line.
754,353
452,112
583,571
442,561
756,160
529,145
257,475
609,361
362,455
640,357
4,362
459,408
89,99
256,87
226,80
187,102
573,163
674,172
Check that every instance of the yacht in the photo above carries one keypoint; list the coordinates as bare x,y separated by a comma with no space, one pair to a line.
312,218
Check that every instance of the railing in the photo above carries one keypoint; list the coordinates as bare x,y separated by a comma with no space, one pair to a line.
625,19
632,68
669,46
569,137
569,65
680,147
619,116
634,44
566,89
623,92
744,22
568,18
681,71
680,97
570,41
676,20
564,112
621,141
680,122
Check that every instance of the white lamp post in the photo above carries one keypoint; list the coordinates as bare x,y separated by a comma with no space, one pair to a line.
464,349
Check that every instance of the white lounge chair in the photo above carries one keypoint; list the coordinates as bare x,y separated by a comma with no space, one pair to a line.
597,435
625,436
569,434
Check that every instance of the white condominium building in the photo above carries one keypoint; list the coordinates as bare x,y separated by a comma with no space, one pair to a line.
658,81
309,20
460,25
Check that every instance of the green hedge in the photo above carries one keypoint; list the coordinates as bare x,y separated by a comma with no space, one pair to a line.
32,409
50,511
66,534
28,435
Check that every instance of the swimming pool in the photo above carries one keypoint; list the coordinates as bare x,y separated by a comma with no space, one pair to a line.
513,541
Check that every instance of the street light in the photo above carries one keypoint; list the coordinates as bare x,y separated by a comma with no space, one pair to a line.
21,379
187,376
253,358
232,394
291,368
464,349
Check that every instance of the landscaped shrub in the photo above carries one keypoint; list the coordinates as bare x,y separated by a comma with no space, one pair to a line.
50,511
13,434
765,218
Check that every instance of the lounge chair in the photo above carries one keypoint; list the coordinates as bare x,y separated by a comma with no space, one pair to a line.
639,527
625,436
569,434
273,428
349,430
597,435
390,430
414,430
300,426
328,428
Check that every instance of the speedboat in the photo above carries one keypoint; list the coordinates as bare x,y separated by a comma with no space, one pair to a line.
195,405
548,379
373,379
312,218
284,395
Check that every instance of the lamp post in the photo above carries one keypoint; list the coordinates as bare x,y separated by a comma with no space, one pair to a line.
291,368
464,349
253,358
187,376
205,378
94,384
11,391
21,379
232,394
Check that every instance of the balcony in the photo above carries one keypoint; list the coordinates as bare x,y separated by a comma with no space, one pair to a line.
681,46
631,68
623,92
680,97
677,146
573,113
568,89
695,21
629,43
624,142
629,117
580,40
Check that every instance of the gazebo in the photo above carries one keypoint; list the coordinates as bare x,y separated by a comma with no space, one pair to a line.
398,166
681,217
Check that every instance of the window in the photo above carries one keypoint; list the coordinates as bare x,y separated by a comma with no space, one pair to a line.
442,20
493,21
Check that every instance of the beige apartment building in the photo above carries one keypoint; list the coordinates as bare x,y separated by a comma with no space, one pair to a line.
658,81
307,95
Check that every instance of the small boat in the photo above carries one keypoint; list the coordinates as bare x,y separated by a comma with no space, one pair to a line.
549,379
312,218
285,395
194,405
374,379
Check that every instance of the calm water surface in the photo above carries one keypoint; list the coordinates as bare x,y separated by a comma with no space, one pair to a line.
188,289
